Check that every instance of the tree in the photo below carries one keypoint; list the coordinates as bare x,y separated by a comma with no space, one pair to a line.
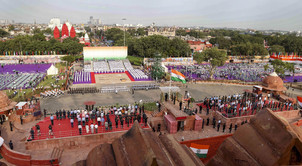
157,71
179,48
215,57
266,67
68,58
48,31
37,31
87,29
132,32
291,68
222,42
181,32
11,27
80,34
39,37
277,49
3,33
279,67
196,34
141,32
197,56
114,34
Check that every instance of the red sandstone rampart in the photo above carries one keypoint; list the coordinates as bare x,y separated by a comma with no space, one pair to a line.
289,114
23,159
233,120
74,141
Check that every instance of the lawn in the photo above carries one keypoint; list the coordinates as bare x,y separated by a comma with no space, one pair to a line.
150,106
48,80
137,61
60,65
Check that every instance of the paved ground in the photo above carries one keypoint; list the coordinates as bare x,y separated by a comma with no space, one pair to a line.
197,91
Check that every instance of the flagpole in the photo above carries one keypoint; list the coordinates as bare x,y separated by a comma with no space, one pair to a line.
170,84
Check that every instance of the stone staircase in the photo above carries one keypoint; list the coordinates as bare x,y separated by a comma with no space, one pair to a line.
56,153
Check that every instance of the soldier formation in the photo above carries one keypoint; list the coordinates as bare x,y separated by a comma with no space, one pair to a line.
83,90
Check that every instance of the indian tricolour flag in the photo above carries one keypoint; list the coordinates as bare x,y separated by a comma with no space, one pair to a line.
299,100
200,150
177,76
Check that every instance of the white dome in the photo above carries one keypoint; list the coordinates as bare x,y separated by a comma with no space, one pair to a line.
274,74
86,38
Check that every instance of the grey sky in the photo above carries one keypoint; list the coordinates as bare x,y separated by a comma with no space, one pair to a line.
259,14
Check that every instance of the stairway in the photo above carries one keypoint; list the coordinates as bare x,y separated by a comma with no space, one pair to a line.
56,153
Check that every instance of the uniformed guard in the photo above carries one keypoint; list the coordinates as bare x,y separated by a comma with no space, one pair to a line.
223,127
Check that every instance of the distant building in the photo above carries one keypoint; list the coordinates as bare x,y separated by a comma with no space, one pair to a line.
85,40
65,31
72,32
167,32
55,22
93,21
5,21
56,33
69,25
199,46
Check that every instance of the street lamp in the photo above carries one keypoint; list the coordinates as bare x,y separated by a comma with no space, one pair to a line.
124,19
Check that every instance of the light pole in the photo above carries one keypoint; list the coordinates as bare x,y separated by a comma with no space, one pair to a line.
124,19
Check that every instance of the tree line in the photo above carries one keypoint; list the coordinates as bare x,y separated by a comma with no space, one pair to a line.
37,44
246,44
148,46
240,43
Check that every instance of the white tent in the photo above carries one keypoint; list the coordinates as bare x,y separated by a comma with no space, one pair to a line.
52,70
165,68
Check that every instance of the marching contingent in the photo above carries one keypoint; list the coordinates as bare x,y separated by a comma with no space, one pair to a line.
52,93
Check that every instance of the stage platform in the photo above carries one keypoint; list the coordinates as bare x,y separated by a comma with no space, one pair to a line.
112,78
62,128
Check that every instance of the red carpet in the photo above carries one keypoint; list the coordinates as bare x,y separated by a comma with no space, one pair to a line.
92,77
126,72
129,75
62,128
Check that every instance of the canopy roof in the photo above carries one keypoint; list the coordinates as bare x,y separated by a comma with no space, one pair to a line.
21,104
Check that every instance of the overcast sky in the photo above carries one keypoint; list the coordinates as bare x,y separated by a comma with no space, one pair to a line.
258,14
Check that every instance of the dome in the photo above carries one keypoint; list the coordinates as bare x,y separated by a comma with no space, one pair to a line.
273,82
4,100
86,36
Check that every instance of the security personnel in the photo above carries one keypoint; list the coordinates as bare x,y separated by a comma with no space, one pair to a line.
57,115
32,133
60,114
116,122
122,122
208,121
127,120
231,126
